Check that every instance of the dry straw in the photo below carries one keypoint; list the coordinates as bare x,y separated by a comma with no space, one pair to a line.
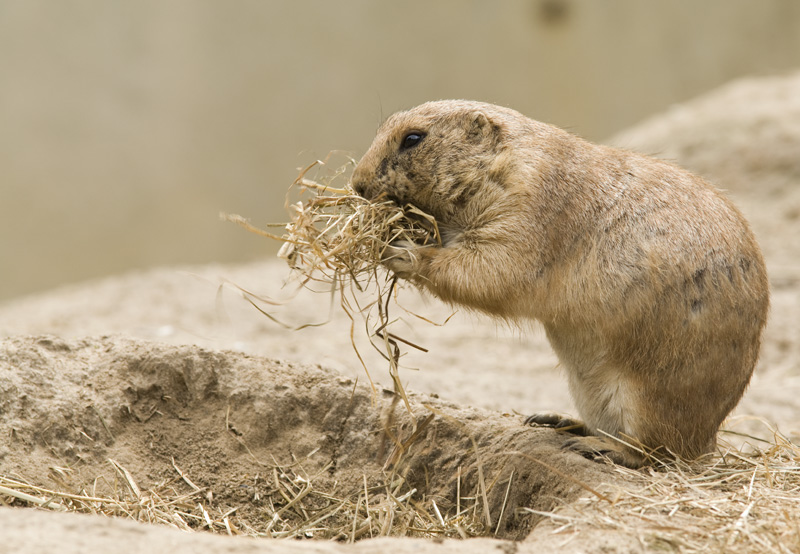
291,504
339,239
168,503
739,500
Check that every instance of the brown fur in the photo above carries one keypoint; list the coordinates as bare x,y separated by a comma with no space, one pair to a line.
648,281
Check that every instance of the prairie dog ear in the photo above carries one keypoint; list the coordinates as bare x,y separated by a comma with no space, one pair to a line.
480,127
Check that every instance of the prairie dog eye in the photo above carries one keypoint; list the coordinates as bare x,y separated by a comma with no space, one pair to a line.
410,140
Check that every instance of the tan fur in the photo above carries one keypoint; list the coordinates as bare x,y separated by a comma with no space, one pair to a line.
648,281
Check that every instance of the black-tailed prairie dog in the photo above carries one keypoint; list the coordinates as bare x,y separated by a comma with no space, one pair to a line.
648,281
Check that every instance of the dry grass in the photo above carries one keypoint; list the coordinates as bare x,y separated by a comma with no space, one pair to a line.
388,508
739,500
177,503
293,505
337,238
336,235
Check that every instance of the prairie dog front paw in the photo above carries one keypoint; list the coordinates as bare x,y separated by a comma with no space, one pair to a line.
402,258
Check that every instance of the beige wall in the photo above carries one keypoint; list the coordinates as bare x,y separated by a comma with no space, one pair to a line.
125,127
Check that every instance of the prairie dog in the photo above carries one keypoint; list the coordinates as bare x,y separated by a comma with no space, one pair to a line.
648,281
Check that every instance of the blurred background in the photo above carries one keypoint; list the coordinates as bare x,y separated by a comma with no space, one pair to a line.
126,127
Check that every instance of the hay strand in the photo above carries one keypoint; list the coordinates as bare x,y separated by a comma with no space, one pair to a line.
339,238
739,500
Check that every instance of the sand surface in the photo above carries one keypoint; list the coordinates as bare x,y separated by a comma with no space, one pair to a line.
165,364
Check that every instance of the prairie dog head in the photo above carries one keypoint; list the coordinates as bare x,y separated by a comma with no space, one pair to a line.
444,157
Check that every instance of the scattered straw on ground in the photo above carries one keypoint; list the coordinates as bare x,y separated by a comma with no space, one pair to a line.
738,500
292,505
169,503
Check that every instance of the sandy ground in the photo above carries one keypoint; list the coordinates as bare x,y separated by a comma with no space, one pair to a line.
146,325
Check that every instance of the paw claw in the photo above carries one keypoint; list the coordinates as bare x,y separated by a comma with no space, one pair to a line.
556,421
601,450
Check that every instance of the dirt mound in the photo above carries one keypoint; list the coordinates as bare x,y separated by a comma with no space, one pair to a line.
744,135
230,422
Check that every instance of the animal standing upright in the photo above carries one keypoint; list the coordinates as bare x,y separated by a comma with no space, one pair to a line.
648,281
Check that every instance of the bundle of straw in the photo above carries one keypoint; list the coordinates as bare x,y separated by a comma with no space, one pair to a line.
340,238
337,234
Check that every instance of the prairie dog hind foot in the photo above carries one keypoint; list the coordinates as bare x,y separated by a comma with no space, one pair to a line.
598,449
